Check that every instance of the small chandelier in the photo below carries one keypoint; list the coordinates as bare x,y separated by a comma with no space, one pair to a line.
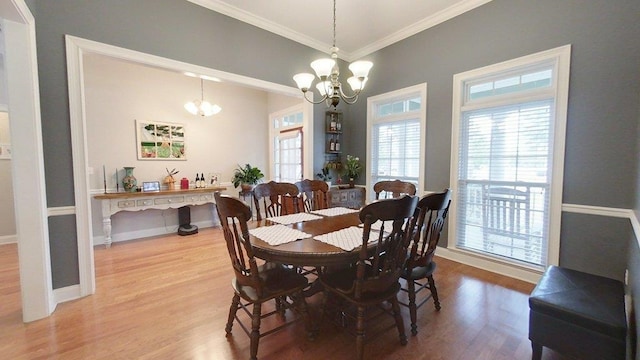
328,72
202,107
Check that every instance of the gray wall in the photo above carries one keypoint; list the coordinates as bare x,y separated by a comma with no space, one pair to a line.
603,104
634,262
603,101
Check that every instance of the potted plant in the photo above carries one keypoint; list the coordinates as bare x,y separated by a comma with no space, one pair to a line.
352,168
246,177
324,175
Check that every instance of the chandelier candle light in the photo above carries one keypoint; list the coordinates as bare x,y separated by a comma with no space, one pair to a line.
202,107
328,72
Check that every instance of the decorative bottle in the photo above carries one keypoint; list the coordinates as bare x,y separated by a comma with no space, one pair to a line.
129,182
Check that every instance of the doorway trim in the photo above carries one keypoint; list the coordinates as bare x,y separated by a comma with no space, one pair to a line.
75,49
30,203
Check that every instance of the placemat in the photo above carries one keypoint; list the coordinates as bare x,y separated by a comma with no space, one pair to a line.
346,239
278,234
334,211
293,218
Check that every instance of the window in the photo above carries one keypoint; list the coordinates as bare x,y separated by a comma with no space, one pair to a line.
287,145
507,155
288,156
396,132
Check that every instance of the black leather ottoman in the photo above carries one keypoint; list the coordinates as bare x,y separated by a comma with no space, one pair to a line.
578,314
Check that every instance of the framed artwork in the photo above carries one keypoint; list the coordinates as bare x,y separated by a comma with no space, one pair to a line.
5,151
160,141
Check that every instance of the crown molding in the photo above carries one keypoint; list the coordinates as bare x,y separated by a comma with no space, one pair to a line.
249,18
424,24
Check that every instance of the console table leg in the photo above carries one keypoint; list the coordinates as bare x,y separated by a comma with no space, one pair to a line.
106,228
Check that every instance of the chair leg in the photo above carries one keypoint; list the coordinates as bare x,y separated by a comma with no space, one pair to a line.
434,292
235,302
280,307
255,329
411,287
309,325
360,333
398,316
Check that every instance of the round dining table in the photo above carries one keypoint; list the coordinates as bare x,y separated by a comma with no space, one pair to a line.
309,252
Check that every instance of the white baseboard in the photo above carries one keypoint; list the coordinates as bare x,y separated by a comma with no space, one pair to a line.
66,294
140,234
8,239
479,262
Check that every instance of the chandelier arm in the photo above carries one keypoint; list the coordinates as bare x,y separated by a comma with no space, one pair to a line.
304,93
346,97
352,100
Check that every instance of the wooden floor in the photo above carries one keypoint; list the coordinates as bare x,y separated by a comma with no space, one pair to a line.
168,298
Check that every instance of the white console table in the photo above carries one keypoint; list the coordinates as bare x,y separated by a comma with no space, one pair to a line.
136,201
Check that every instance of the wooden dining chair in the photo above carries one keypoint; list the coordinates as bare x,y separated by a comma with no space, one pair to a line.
314,195
431,213
393,189
275,199
374,279
254,284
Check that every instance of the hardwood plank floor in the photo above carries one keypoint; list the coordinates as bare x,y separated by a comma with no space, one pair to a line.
168,298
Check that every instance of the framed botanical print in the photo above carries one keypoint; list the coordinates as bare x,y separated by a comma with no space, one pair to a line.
160,141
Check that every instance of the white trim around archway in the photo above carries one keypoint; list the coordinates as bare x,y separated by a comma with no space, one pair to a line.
75,49
30,202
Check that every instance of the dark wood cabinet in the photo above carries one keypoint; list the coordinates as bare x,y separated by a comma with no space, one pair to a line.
353,198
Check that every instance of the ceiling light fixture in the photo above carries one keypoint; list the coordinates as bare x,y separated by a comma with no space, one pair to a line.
202,107
328,72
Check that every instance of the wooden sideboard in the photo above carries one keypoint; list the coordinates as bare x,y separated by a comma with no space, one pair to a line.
136,201
353,198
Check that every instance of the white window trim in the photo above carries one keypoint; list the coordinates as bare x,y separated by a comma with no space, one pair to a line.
373,101
562,57
307,139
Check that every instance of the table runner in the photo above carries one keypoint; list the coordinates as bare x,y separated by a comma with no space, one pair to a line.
346,239
293,218
334,211
278,234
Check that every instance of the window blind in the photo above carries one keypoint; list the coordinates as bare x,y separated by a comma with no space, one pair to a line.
504,177
396,154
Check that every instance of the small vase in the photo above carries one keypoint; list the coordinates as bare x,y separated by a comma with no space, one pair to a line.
129,182
351,184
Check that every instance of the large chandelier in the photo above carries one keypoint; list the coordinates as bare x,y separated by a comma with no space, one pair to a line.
202,107
328,72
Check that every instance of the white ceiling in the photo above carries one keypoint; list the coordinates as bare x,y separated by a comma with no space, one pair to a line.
362,26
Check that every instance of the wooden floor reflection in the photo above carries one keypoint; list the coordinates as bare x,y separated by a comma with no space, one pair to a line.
168,298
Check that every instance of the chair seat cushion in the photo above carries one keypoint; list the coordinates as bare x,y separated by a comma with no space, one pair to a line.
342,281
419,272
589,301
276,279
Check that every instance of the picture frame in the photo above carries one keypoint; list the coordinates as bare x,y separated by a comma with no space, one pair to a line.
5,151
160,140
150,186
